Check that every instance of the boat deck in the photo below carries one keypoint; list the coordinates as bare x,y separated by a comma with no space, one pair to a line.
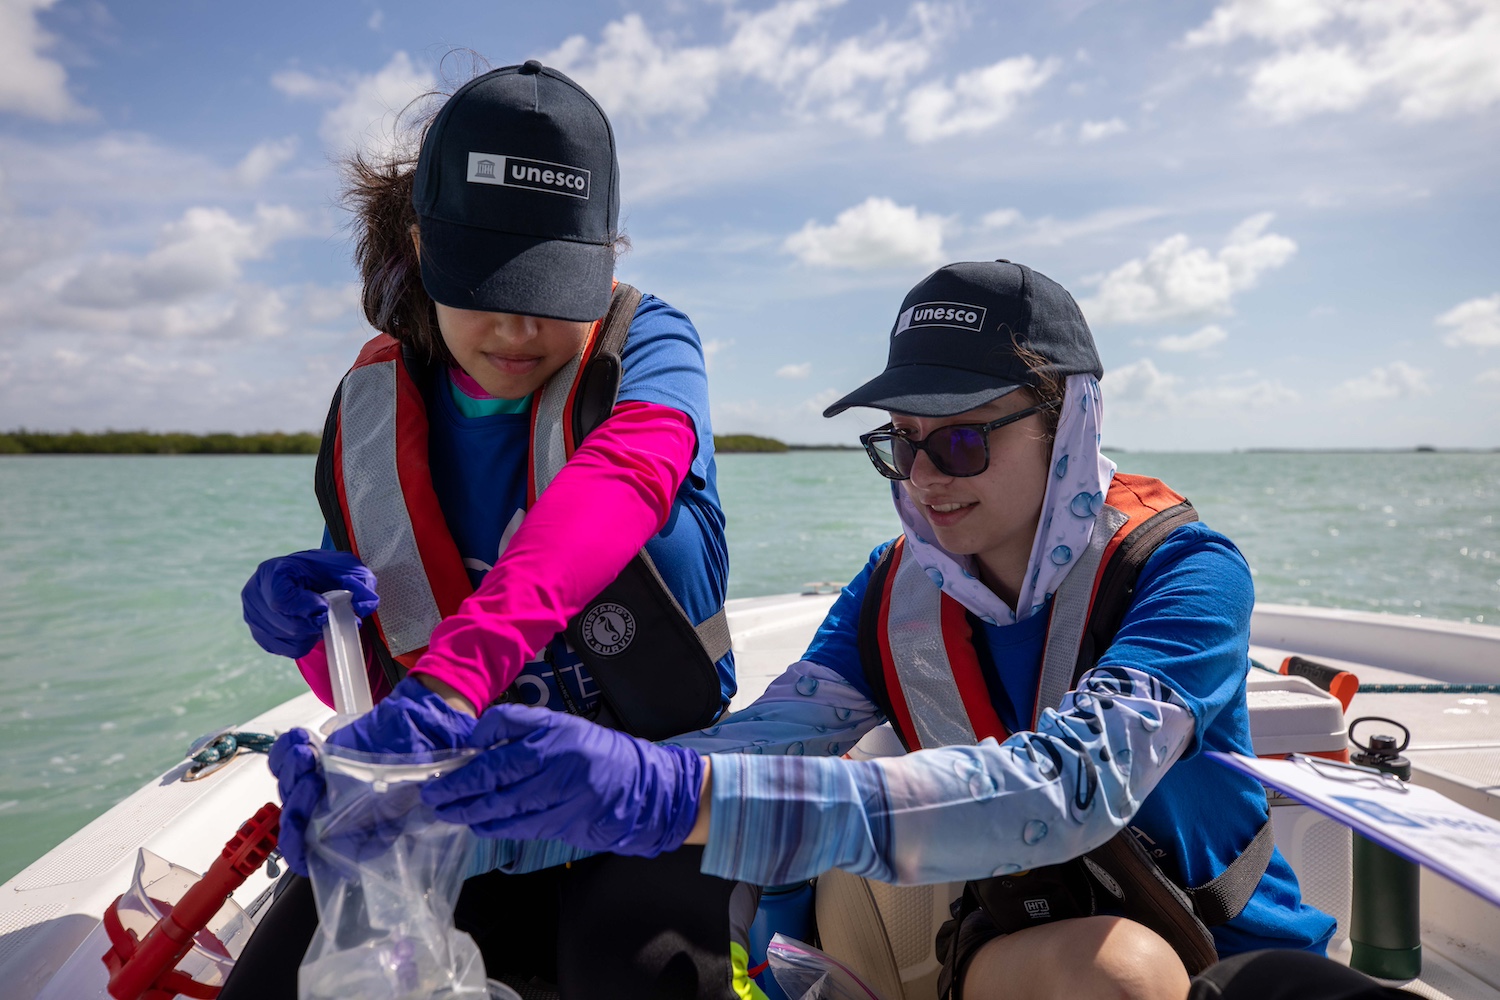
49,913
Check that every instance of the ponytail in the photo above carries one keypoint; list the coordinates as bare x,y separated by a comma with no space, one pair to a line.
378,192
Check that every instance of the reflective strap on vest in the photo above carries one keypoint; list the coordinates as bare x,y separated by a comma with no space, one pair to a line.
379,520
549,449
554,413
919,651
1070,613
713,632
921,660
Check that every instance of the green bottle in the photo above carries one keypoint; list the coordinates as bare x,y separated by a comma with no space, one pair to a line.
1385,925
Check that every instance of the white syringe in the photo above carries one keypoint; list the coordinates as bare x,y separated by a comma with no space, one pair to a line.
346,661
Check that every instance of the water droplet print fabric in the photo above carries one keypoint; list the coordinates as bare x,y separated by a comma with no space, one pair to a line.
1076,484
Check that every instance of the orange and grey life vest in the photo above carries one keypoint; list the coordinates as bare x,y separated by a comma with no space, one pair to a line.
917,644
655,668
920,656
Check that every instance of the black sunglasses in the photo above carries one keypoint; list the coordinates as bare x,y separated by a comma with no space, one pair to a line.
959,450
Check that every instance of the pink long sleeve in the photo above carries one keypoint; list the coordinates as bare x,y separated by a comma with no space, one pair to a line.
610,497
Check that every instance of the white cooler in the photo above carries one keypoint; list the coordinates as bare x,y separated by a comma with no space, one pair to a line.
1292,715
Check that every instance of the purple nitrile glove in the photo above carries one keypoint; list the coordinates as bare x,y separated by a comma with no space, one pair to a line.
410,720
283,599
552,776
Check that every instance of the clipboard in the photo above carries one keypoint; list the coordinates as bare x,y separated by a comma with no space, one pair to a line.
1414,822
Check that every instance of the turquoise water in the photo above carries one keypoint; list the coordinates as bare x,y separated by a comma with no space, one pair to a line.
121,641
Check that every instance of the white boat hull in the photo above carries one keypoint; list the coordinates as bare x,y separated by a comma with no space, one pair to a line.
50,940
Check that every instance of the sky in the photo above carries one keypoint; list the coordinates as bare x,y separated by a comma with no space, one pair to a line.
1280,217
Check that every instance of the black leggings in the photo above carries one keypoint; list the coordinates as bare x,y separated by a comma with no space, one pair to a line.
607,926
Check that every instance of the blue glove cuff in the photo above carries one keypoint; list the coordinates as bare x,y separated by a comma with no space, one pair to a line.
684,798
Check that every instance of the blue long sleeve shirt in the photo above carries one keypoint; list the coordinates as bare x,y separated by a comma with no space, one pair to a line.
1124,750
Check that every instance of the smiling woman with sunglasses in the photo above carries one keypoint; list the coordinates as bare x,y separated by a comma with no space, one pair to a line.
1055,644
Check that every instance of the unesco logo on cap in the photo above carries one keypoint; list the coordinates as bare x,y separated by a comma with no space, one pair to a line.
955,314
608,629
534,175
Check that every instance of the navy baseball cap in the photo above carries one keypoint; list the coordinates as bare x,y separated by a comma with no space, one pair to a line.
517,195
954,343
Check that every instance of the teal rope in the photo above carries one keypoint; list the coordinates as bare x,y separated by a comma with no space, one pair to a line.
1429,689
226,745
1406,688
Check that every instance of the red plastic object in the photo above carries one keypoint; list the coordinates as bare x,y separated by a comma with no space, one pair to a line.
146,969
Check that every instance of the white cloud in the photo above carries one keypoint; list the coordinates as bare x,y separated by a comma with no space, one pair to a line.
366,115
191,285
857,79
376,21
1277,21
1204,339
322,304
631,73
795,371
69,359
304,86
977,100
1308,81
1094,131
1490,376
873,234
1141,388
28,242
1396,380
200,253
168,385
114,171
1475,323
1238,394
1002,218
30,83
264,160
1432,58
1176,279
712,349
1047,231
250,312
1139,385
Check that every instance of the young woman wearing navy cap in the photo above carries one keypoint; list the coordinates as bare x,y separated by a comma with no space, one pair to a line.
521,496
1055,643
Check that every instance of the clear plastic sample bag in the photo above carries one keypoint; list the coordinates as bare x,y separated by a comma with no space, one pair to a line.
805,973
386,874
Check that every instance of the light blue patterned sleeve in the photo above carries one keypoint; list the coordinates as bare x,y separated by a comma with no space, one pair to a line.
810,710
516,857
953,813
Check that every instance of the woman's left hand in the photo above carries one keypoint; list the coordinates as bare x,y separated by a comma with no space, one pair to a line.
552,776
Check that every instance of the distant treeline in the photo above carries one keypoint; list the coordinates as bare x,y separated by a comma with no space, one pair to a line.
753,442
747,442
24,442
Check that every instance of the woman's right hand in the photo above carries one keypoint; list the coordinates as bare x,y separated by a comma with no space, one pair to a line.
413,719
547,775
283,600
